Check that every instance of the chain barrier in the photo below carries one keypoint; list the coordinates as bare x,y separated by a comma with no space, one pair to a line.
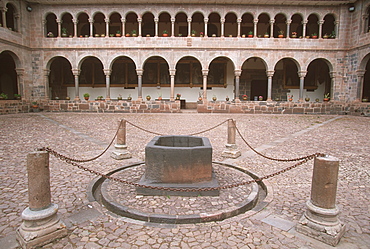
109,177
75,162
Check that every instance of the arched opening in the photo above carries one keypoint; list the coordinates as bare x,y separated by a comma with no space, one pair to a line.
328,27
131,24
67,25
51,25
263,25
197,24
280,26
312,26
115,25
285,82
99,25
156,72
181,24
217,74
247,24
296,26
188,73
231,25
8,75
317,82
92,74
253,79
148,25
60,78
123,73
214,25
164,24
83,26
10,17
366,82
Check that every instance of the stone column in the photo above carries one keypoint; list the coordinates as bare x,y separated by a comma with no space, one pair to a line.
222,27
304,28
172,75
237,74
46,80
139,73
255,23
302,75
91,21
189,26
231,150
332,84
320,220
156,20
4,10
288,22
106,27
269,84
121,146
206,27
320,28
123,21
59,28
139,20
107,73
41,223
75,22
336,24
205,74
173,26
272,21
360,84
76,74
239,21
20,80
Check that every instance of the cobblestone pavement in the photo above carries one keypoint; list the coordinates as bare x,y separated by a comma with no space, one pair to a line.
83,135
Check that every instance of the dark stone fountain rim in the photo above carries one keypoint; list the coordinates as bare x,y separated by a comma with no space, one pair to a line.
97,192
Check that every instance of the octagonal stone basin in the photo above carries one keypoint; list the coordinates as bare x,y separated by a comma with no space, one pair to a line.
178,162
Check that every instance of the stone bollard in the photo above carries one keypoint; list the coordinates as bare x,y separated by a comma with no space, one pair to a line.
120,146
41,223
231,150
320,220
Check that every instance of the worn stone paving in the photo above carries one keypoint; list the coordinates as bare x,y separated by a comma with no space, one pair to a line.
83,135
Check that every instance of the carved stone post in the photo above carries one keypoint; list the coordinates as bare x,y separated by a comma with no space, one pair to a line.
320,220
189,26
239,21
91,21
272,21
269,84
304,23
320,23
173,27
107,73
205,74
121,146
139,73
139,20
41,223
222,27
59,22
76,73
237,73
172,75
302,75
231,150
75,22
206,27
106,27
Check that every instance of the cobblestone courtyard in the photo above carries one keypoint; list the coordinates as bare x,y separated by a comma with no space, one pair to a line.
84,135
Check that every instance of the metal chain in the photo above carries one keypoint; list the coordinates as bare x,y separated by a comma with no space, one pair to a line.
68,160
72,161
271,158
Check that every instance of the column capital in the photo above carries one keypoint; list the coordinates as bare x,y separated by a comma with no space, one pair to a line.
237,72
272,21
360,73
76,72
205,72
189,19
156,19
302,74
304,21
222,20
91,20
107,72
255,21
239,20
173,19
58,20
270,73
74,21
172,72
139,19
289,21
106,20
320,22
139,71
206,19
19,71
123,19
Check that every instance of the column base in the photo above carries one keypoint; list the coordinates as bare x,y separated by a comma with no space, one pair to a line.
231,151
40,227
321,224
121,152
